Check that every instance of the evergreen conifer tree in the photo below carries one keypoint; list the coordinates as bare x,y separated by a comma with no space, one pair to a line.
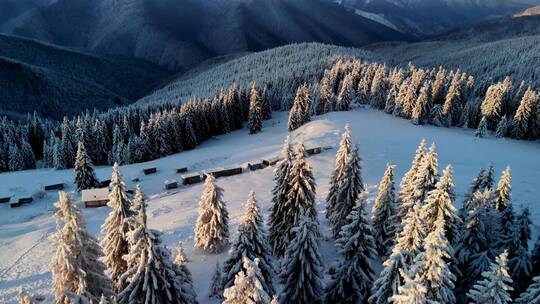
351,283
532,294
247,287
216,288
151,276
115,240
495,285
300,111
412,291
212,228
301,195
384,214
482,130
349,188
250,243
406,191
302,268
276,220
337,176
504,190
440,202
85,178
502,128
408,246
433,264
76,267
255,115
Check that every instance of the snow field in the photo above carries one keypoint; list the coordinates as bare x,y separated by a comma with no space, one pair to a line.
25,250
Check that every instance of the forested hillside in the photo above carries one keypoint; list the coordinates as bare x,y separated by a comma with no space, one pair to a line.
180,34
56,81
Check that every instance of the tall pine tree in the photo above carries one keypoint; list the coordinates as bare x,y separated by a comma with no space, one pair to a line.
85,178
212,228
302,268
384,214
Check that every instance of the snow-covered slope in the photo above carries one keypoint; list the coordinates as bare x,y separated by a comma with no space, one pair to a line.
25,250
429,17
58,81
182,33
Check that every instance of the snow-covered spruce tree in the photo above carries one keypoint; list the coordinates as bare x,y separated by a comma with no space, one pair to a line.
440,202
255,115
496,102
406,191
276,220
346,94
300,111
342,155
212,228
250,243
178,280
151,276
103,300
67,146
76,265
489,178
481,130
27,155
351,283
524,227
266,106
350,186
408,246
216,288
384,214
453,102
301,195
502,128
476,247
426,176
183,275
326,97
520,267
118,152
532,294
247,287
302,268
115,241
433,264
522,122
413,290
420,112
504,190
476,185
85,178
495,285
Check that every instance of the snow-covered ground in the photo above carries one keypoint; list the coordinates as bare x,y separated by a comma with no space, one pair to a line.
25,249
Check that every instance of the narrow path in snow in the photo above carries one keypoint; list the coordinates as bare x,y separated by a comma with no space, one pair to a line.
4,272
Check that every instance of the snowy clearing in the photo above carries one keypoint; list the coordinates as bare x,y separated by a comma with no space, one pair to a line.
25,249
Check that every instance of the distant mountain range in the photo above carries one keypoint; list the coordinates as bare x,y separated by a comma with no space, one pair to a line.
179,34
57,81
430,17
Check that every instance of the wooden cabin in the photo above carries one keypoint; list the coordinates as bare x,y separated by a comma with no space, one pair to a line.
191,179
256,166
171,185
149,171
54,187
4,200
271,161
225,172
22,201
182,170
94,198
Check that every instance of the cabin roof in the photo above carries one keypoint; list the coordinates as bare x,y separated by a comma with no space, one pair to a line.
95,194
